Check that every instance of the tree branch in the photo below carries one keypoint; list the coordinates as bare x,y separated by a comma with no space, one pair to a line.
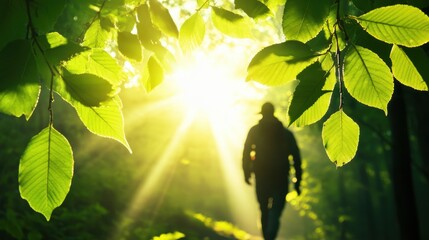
34,35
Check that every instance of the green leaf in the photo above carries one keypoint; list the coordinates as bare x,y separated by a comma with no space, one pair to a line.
367,77
192,32
398,24
46,171
44,14
88,89
19,83
323,41
54,39
96,36
203,3
14,20
304,19
162,19
129,45
312,96
170,236
420,58
404,70
148,34
105,120
125,20
231,24
253,8
340,136
153,74
164,56
97,62
280,63
274,5
56,48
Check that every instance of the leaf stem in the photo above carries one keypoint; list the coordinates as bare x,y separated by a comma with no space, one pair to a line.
338,62
33,33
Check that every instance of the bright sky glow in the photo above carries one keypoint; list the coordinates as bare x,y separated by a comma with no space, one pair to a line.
213,82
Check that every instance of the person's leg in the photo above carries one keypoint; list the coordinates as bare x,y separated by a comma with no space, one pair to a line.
264,217
274,214
263,196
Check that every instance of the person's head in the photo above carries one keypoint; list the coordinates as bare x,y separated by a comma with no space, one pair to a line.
267,109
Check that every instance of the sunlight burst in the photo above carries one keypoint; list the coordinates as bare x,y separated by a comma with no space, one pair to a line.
211,82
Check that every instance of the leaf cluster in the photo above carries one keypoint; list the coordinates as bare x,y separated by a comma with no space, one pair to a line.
338,45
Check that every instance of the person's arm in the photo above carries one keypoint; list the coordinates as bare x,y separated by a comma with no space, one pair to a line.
296,162
247,161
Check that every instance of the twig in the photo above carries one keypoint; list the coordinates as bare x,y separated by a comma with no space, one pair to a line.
202,5
97,16
338,60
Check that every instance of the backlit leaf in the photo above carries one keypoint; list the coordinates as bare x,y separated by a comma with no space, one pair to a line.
162,19
147,32
420,58
192,32
253,8
105,120
367,77
55,39
340,136
312,96
129,45
88,89
203,3
164,56
304,19
97,62
125,21
56,48
398,24
153,74
19,81
404,70
96,36
280,63
230,23
46,171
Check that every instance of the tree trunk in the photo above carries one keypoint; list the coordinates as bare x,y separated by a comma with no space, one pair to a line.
421,114
401,170
366,201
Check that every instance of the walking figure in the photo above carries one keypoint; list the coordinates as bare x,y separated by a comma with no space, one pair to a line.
268,152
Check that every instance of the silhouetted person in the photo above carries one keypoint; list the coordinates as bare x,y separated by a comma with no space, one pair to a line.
268,153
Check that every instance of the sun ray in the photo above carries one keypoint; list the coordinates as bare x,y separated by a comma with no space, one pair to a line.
243,208
148,187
